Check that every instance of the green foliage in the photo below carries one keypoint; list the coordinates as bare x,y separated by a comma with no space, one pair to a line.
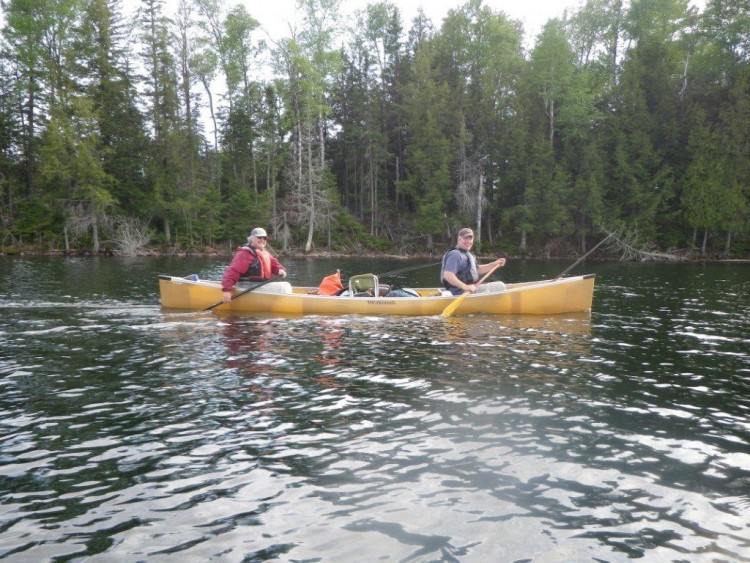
428,156
430,214
622,113
37,223
349,235
244,210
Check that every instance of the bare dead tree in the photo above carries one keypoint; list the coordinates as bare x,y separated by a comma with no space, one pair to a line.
130,236
626,242
470,192
313,207
81,218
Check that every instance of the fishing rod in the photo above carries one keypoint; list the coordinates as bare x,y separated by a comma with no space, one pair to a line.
409,269
582,258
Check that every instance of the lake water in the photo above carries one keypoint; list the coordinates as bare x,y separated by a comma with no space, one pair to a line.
130,433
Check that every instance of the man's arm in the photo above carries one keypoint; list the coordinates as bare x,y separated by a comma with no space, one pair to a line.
452,279
484,268
277,268
238,266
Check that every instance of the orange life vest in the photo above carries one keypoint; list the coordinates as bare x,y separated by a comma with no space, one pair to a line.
260,268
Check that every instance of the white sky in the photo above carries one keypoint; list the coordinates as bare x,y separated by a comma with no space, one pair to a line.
275,16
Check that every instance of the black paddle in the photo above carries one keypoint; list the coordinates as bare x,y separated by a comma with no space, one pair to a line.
582,258
244,291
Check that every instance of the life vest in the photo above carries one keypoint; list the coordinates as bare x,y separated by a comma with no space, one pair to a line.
467,271
260,268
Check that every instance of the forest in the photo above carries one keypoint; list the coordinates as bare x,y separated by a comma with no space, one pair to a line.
181,129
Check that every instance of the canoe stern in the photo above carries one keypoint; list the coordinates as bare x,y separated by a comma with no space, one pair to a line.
180,293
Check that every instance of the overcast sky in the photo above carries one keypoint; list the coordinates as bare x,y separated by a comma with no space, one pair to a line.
275,16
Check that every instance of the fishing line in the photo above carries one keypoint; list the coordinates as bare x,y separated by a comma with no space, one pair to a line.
409,269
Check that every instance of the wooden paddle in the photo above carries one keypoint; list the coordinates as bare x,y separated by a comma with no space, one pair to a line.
244,291
451,308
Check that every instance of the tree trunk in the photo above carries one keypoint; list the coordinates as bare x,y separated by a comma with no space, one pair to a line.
29,140
480,197
551,122
371,187
95,237
272,186
213,115
321,133
398,172
705,241
311,195
254,167
615,45
298,142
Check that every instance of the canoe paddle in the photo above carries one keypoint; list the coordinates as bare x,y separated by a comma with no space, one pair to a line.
582,258
451,308
244,291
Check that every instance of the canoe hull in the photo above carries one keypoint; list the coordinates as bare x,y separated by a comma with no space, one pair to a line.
546,297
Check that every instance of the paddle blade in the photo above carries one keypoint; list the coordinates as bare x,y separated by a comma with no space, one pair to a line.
451,308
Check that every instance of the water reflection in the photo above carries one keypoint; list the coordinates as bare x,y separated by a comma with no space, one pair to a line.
131,434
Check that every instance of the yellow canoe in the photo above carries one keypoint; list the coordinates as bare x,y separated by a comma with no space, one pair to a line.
545,297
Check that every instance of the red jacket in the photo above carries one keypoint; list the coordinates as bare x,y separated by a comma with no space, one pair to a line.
240,265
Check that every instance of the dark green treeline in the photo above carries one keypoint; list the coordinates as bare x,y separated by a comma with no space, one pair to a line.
186,127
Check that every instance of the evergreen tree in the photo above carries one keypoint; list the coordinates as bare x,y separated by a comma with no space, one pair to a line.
366,149
161,93
27,32
427,156
479,54
311,65
105,71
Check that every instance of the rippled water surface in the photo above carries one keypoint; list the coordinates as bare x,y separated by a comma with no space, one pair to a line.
131,433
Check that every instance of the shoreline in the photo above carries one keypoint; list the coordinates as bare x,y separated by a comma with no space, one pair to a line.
296,254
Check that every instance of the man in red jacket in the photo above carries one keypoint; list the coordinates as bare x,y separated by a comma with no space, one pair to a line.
251,262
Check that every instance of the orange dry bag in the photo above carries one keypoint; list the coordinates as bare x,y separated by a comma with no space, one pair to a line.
331,285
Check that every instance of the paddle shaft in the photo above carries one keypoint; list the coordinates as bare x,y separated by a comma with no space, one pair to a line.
582,258
243,292
451,308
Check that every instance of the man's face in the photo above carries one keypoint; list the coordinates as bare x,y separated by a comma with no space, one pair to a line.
465,242
259,242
